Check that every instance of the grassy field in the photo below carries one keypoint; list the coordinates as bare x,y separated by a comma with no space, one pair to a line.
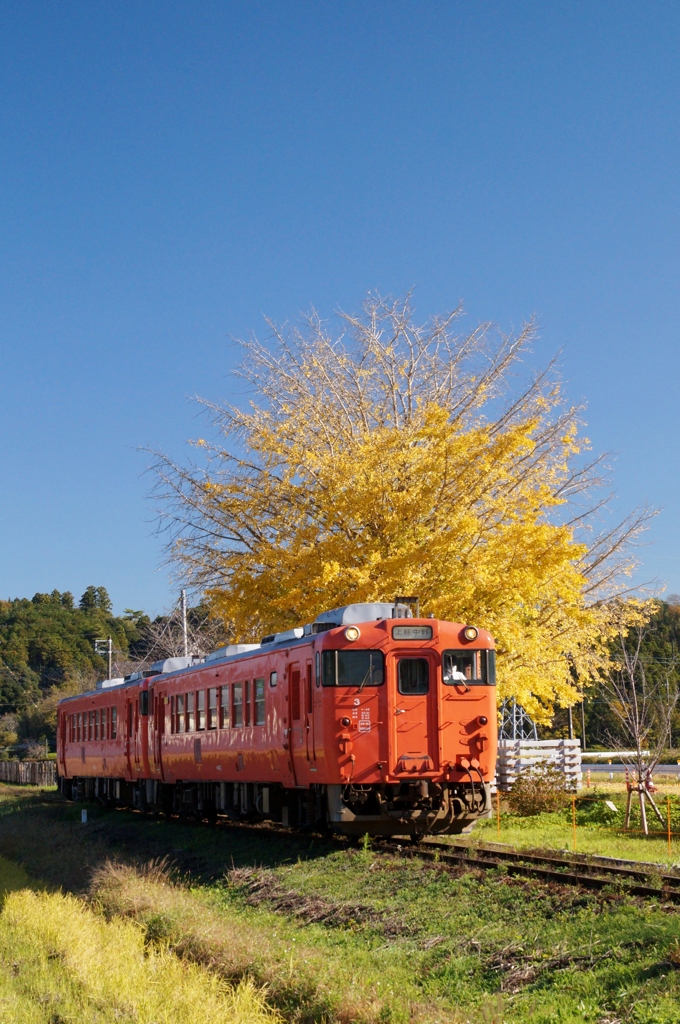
598,830
339,933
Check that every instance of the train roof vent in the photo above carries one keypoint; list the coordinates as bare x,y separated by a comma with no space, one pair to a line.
364,613
230,651
173,664
104,684
285,637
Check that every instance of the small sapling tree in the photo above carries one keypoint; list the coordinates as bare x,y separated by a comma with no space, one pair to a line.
641,696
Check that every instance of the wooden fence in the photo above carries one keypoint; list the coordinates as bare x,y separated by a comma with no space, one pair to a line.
29,773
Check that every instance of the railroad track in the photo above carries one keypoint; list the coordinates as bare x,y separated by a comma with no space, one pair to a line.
638,878
592,872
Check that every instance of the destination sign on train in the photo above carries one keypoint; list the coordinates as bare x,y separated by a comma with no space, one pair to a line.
412,632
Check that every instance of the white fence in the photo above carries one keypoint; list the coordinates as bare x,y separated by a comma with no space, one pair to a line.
514,756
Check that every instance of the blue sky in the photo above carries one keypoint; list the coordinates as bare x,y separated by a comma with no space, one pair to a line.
169,172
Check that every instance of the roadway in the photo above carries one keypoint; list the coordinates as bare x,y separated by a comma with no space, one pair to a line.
619,769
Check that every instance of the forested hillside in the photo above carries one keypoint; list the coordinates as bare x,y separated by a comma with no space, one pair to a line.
48,650
47,647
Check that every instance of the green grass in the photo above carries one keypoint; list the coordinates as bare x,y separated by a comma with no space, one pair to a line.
346,934
597,830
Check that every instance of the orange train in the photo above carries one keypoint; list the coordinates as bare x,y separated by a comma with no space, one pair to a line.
368,720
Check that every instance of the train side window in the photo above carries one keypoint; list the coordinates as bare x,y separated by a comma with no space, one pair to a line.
190,713
258,687
95,731
173,720
318,669
273,678
224,707
114,715
200,710
180,713
144,702
91,728
212,707
414,676
247,716
237,709
491,668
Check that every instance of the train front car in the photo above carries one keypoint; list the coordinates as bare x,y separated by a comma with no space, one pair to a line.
409,722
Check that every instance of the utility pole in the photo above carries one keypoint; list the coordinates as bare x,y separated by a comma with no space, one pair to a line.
184,624
109,649
583,725
571,723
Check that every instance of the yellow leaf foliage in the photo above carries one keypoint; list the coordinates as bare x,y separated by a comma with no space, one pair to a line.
366,473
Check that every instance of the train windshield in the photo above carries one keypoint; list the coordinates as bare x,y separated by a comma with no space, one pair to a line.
469,668
353,668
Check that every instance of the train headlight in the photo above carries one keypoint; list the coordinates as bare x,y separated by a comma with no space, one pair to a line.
352,633
470,633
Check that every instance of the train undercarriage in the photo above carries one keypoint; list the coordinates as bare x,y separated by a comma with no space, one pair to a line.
415,808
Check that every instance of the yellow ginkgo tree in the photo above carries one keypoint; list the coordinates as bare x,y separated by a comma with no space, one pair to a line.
400,458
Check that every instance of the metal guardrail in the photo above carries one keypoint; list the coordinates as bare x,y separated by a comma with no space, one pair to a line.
29,773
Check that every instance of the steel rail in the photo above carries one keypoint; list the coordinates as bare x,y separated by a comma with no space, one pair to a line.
587,870
591,872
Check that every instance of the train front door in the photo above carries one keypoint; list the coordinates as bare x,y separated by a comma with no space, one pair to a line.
415,747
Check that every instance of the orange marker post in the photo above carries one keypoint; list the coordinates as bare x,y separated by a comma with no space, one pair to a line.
668,808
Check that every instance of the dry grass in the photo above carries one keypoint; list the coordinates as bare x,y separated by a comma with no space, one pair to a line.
60,961
302,980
